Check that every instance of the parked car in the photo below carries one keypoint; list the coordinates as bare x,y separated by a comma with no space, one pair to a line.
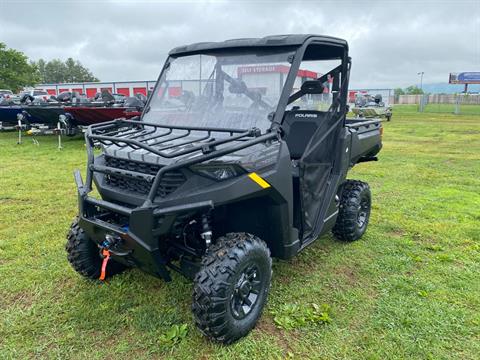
6,94
35,94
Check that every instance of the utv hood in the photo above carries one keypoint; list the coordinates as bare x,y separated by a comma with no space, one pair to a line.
178,145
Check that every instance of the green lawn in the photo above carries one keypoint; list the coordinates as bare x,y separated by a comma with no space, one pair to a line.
409,289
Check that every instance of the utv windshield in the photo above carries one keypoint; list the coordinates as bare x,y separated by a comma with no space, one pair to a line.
227,90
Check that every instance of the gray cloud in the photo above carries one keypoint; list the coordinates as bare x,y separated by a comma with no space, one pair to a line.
390,41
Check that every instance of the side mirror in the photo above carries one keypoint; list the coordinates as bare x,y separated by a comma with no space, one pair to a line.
312,87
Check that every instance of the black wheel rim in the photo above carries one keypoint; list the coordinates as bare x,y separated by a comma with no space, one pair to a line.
363,211
246,292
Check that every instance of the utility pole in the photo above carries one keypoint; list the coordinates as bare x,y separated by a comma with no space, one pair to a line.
421,79
422,96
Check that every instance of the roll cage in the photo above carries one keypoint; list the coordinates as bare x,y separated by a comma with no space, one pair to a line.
305,47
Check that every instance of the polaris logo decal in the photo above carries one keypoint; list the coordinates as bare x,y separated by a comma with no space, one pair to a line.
306,115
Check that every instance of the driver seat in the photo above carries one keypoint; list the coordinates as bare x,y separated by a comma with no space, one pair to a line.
298,127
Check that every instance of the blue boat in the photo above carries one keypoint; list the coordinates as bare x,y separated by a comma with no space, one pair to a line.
8,115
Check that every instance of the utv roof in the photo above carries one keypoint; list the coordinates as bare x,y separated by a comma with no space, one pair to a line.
268,41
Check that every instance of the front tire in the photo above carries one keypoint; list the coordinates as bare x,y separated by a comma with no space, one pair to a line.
231,288
354,212
84,255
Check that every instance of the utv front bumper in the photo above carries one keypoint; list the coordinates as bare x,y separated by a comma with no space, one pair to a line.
136,229
141,233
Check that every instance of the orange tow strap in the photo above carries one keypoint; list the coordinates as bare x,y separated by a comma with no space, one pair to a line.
106,257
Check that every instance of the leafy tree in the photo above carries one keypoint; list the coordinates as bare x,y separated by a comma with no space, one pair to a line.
398,91
76,72
413,90
41,69
15,70
57,71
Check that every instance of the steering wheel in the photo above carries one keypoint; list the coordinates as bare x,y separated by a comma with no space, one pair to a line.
258,103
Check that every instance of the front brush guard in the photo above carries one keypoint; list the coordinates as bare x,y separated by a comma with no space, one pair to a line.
140,231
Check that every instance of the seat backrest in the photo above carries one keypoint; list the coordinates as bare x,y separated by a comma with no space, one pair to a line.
299,126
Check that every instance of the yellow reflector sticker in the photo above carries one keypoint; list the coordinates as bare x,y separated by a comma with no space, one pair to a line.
255,177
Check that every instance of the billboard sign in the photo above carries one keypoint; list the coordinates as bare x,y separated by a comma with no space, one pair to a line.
464,78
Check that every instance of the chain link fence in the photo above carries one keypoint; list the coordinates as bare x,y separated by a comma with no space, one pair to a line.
460,104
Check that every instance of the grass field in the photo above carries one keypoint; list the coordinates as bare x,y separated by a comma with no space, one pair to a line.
409,289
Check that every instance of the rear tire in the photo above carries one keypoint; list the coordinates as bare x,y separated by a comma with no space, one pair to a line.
354,212
231,288
84,255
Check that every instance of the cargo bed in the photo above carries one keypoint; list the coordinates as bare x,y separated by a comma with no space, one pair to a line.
365,139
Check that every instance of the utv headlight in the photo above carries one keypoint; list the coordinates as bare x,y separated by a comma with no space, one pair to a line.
219,171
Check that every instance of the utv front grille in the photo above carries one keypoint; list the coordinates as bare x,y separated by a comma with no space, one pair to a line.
170,182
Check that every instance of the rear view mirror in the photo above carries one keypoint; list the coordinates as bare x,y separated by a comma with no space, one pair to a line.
312,87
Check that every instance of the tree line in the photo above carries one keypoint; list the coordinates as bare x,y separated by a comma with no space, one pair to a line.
411,90
16,71
58,71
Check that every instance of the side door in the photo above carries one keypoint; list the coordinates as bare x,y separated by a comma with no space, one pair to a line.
318,180
319,165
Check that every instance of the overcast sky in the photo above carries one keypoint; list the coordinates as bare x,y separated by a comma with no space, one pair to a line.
390,41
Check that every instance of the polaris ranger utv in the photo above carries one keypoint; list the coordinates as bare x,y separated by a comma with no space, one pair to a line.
240,155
